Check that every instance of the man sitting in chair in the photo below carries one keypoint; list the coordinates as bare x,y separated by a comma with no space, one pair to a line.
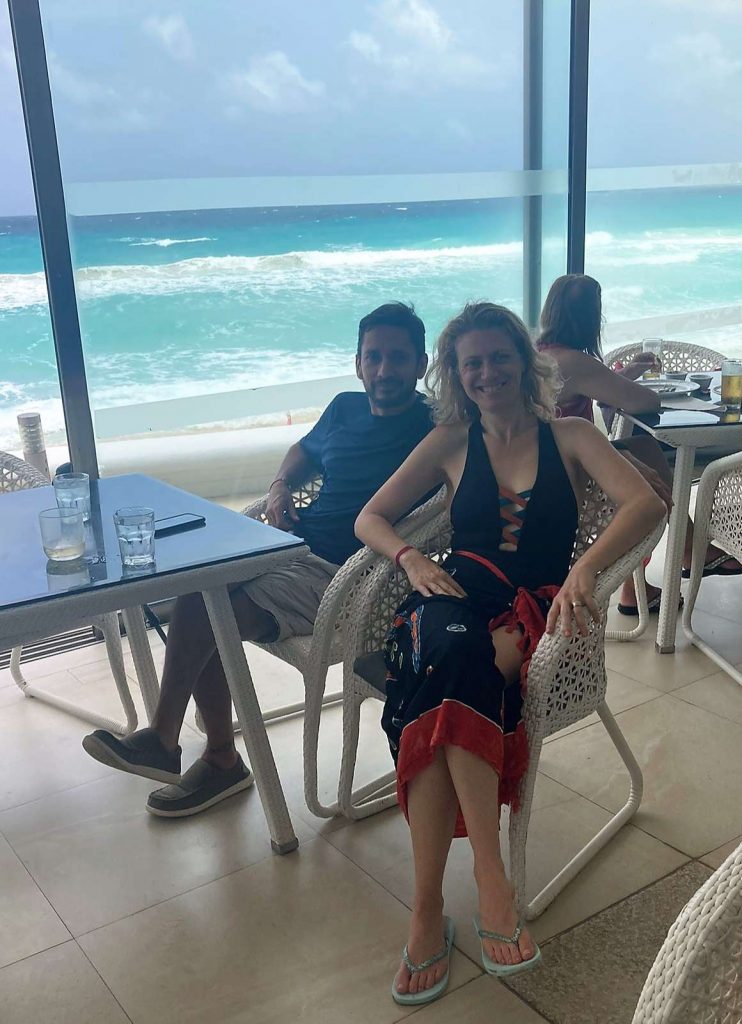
357,444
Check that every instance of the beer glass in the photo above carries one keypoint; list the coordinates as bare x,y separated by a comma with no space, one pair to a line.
731,384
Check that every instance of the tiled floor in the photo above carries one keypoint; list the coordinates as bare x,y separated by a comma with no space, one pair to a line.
108,915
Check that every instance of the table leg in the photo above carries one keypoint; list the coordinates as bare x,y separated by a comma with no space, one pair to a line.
143,661
226,633
683,478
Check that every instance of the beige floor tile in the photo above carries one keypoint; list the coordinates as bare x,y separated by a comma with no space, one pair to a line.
28,922
381,846
721,596
717,857
57,987
723,635
483,999
639,660
595,972
623,693
718,693
59,662
692,763
98,855
40,750
306,937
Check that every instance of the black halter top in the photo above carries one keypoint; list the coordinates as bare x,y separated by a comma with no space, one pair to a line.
547,535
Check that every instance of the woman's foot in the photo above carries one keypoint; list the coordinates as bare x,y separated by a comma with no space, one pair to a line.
497,914
628,594
426,940
728,567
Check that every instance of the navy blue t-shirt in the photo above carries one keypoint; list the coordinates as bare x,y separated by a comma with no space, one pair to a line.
356,453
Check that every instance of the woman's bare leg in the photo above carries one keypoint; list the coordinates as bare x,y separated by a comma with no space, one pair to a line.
432,807
476,784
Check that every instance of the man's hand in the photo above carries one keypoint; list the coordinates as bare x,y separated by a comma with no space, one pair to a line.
653,478
279,510
427,577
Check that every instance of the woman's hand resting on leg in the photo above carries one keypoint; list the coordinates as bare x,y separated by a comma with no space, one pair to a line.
427,577
574,603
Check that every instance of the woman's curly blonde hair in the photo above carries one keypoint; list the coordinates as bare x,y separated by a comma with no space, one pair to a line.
541,381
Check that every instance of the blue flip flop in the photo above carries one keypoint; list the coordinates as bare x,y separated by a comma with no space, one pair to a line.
428,994
505,970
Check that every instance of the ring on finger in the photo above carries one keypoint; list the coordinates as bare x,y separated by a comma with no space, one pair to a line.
578,604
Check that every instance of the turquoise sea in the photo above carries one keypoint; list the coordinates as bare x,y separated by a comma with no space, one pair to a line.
183,303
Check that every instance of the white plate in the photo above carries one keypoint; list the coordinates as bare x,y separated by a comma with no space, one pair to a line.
675,388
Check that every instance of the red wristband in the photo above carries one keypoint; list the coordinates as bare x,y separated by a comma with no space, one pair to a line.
407,547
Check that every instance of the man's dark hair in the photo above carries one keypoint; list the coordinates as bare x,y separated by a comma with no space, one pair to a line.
395,314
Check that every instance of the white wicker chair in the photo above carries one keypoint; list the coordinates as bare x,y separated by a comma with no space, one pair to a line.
697,976
313,655
676,356
17,475
566,683
718,519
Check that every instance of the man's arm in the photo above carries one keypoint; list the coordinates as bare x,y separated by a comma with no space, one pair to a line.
297,467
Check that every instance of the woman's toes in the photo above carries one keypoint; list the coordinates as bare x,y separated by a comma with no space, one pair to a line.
402,981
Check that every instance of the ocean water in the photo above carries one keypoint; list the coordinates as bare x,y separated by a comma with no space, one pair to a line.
182,303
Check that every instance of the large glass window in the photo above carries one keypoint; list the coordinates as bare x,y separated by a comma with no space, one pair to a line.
665,184
28,375
243,188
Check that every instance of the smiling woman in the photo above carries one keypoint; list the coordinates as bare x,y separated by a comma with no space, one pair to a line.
458,651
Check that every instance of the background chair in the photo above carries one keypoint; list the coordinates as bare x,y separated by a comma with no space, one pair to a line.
697,976
17,475
566,683
718,519
676,356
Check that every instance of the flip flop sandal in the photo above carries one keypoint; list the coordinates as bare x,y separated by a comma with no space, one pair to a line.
505,970
715,568
652,606
428,994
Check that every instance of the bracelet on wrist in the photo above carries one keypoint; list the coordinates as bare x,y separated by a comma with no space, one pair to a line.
402,551
279,480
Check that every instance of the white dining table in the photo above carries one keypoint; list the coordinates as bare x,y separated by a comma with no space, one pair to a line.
688,425
227,549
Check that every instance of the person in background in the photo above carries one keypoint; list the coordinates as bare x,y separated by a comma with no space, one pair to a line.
358,442
571,323
458,651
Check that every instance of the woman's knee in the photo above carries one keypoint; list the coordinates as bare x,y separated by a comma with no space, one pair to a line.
508,656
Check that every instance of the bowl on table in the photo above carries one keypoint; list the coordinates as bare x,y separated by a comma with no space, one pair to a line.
675,375
703,380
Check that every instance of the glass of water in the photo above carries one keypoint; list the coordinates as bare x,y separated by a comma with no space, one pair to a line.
135,530
72,490
62,534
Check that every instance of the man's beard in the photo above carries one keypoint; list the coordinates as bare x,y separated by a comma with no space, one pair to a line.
398,395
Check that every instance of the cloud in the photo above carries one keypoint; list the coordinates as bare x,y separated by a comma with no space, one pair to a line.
417,20
695,61
272,83
97,106
417,50
173,34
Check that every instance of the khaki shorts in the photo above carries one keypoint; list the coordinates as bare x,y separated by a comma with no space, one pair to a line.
292,593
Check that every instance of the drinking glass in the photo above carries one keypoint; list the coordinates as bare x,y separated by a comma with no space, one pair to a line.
135,530
62,534
653,345
72,490
731,383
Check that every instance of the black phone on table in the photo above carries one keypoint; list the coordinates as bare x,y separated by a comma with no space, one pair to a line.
178,524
